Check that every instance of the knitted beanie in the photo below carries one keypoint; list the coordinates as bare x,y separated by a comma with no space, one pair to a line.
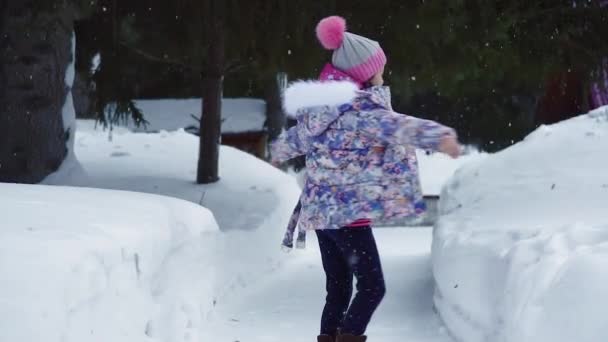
359,57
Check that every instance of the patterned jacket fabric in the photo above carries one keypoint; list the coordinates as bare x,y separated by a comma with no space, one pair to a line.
360,154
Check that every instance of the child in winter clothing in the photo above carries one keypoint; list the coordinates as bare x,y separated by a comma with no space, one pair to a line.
361,166
329,73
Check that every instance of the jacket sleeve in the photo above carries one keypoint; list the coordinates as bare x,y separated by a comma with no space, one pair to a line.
400,129
290,144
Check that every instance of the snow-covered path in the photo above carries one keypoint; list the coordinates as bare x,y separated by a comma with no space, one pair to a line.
287,305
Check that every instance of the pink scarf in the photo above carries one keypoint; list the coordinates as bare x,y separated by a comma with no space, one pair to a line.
330,73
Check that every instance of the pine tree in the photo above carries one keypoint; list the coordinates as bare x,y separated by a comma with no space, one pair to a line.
36,42
477,65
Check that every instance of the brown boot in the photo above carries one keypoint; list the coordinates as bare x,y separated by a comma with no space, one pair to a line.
351,338
325,338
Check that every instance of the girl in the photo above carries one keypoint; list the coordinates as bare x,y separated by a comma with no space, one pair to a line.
360,167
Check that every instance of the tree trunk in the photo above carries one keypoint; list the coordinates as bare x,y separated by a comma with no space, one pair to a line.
563,98
82,94
35,50
87,47
212,85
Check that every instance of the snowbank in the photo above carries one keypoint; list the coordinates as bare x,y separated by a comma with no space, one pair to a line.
437,168
239,114
289,302
251,203
165,163
521,247
97,265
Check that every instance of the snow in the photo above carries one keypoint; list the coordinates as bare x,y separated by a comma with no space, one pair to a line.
68,112
97,265
289,303
251,203
95,62
231,284
165,163
239,115
437,168
70,166
520,249
130,266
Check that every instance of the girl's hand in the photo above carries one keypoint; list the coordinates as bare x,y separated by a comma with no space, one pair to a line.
450,146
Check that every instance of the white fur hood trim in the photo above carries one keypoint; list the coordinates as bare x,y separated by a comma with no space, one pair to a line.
304,94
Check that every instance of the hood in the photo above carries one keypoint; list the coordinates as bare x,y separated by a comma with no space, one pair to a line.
307,94
316,104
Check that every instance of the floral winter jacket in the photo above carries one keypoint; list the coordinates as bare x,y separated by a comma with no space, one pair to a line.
360,155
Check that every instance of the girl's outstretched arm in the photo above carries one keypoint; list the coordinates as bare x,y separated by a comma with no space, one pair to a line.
399,129
288,145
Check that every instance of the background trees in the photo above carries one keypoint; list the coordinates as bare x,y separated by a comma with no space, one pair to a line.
494,70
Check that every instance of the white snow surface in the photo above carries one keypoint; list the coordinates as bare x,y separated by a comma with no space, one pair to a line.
287,305
98,265
521,246
165,163
207,285
252,204
437,168
239,115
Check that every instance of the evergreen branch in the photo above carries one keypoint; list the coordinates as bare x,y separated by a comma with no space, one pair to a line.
155,58
234,66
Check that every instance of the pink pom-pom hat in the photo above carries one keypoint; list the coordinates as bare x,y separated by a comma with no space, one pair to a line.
359,57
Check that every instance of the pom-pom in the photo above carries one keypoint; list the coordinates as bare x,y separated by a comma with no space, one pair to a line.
330,32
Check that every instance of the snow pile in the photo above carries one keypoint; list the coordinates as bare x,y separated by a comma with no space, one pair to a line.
521,247
97,265
437,168
165,163
251,203
188,270
239,115
289,302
